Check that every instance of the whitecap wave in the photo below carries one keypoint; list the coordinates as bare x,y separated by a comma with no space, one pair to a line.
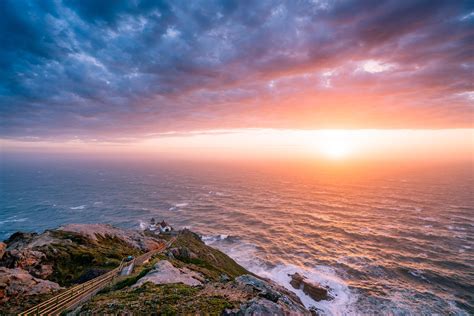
13,220
216,193
178,206
246,255
209,240
343,301
142,225
80,207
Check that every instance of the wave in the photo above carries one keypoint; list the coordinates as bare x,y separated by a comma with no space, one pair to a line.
13,220
178,206
344,298
142,225
209,240
80,207
216,193
246,254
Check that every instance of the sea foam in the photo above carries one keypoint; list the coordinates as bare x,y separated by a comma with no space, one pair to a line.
246,254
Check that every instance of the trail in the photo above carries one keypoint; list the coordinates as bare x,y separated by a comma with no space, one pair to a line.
78,294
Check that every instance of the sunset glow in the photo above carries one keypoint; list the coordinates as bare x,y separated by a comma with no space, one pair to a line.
230,157
335,144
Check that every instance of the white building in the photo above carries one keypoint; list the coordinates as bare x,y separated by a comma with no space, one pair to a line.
164,227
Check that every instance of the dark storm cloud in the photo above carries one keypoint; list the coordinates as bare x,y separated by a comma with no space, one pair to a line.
115,68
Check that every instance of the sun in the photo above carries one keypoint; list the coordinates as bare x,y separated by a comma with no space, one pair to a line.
335,145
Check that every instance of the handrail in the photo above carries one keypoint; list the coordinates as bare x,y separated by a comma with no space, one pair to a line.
71,297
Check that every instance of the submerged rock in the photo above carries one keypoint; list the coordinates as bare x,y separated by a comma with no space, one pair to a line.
18,282
315,291
165,273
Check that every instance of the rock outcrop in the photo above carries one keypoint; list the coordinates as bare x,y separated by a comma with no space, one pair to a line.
271,296
29,260
190,278
165,273
315,291
18,282
75,252
134,238
182,253
3,248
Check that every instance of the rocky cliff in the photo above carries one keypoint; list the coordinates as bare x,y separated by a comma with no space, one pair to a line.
187,278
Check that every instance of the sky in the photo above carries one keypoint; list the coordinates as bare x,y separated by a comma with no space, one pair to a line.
160,75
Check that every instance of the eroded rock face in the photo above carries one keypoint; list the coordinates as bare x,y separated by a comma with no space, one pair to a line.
29,260
272,297
3,247
315,291
134,238
18,282
261,306
165,273
59,250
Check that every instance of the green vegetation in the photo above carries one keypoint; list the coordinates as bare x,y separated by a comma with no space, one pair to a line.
171,299
151,299
209,261
77,257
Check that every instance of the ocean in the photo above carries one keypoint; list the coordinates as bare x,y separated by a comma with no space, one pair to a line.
391,243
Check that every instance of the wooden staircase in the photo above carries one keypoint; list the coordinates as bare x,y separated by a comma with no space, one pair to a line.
73,297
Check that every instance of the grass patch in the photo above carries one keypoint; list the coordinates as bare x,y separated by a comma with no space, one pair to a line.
78,254
210,262
166,299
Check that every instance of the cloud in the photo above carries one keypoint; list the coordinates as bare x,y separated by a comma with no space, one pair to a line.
105,69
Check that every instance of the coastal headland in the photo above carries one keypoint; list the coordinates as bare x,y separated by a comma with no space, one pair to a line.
184,277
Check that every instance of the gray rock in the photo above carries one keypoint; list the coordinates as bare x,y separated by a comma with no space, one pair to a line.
261,306
224,278
287,302
265,289
183,253
165,273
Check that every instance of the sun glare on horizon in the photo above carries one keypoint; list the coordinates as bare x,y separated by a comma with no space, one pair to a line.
335,144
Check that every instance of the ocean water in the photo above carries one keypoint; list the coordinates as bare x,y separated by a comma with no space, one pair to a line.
392,243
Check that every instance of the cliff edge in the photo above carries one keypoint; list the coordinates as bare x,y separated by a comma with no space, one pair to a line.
188,278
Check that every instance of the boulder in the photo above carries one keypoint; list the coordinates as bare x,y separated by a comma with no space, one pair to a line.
261,306
267,290
224,278
18,282
165,273
29,260
182,253
315,291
